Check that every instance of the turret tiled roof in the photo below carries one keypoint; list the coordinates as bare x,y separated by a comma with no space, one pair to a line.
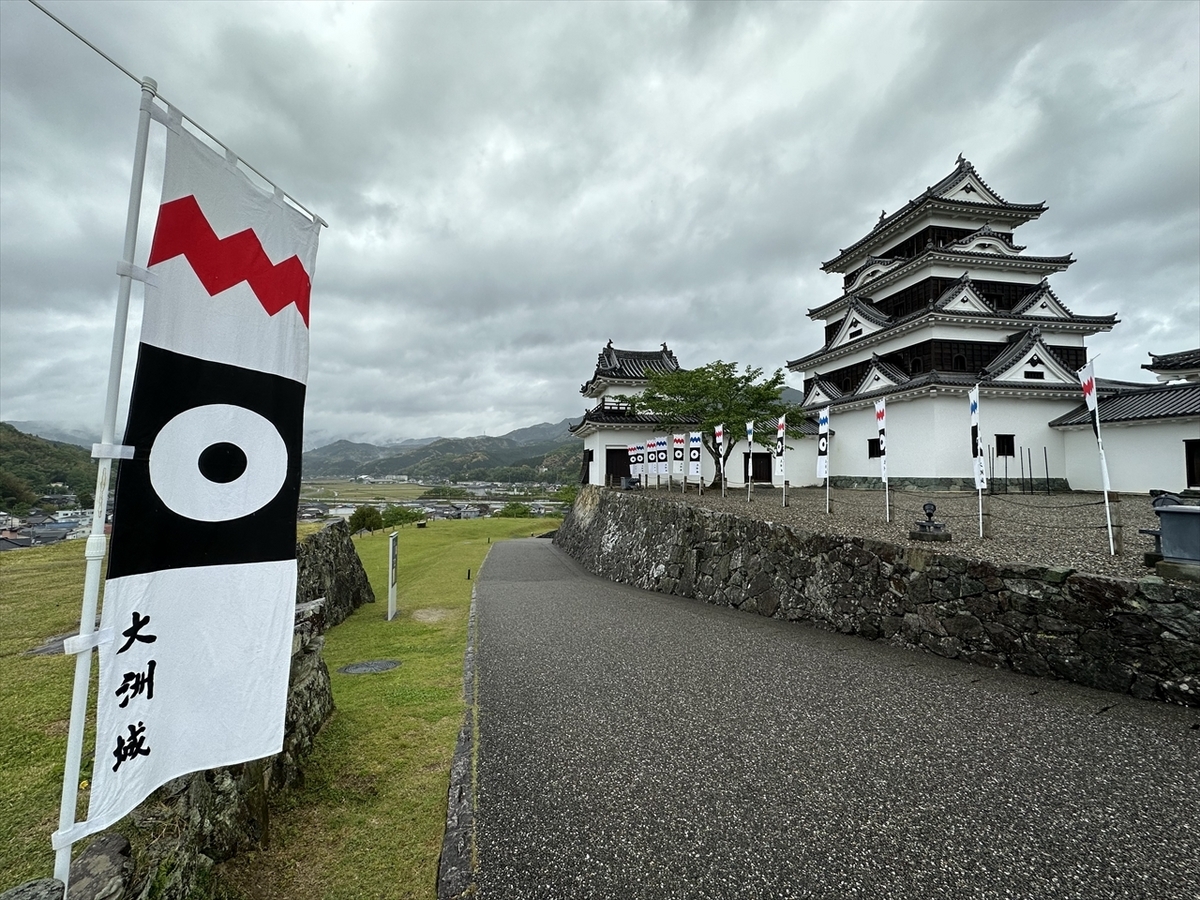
615,365
1165,401
1183,361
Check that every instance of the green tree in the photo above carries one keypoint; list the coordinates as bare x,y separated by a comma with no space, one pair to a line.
567,494
367,517
514,511
445,492
401,515
717,394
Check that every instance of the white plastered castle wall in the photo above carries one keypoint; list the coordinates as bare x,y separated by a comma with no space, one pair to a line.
929,435
1141,456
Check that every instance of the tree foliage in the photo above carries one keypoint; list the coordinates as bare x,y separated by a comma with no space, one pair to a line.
717,394
445,492
401,515
514,511
38,463
365,517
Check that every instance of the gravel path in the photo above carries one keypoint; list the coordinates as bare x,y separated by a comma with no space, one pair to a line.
1036,529
635,745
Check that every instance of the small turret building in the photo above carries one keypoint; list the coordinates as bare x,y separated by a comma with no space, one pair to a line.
609,427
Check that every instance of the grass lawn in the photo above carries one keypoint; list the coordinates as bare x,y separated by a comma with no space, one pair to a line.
352,491
41,589
369,820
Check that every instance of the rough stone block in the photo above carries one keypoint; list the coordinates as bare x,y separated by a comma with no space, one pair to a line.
38,889
1058,574
943,646
1177,617
963,626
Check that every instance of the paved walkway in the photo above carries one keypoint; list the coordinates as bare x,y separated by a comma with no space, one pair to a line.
640,746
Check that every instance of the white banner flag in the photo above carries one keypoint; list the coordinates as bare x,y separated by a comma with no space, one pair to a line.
881,425
1087,380
823,443
694,445
201,588
663,455
780,445
679,454
979,467
632,449
640,460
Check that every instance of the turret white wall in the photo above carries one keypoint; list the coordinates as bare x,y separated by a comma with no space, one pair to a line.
1141,457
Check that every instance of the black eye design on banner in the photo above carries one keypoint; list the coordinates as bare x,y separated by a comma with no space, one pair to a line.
882,443
215,477
679,453
822,445
694,454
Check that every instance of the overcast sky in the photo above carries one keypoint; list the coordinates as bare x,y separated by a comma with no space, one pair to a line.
510,186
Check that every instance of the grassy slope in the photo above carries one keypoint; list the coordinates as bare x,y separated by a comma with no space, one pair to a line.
40,593
369,821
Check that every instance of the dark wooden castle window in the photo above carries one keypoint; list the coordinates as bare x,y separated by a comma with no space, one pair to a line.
1002,295
959,364
939,235
1006,445
873,449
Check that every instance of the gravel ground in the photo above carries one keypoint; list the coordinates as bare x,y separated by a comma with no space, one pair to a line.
1035,529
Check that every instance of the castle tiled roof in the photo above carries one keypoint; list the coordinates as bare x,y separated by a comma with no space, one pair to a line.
1183,361
933,194
1164,401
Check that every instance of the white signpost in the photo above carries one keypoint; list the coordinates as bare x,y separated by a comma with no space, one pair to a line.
393,548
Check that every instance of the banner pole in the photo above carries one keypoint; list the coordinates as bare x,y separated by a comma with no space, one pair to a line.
1112,551
96,542
980,492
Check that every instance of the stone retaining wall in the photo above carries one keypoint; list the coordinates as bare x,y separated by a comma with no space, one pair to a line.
1137,637
936,485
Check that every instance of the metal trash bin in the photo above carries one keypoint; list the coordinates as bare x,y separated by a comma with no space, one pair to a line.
1179,527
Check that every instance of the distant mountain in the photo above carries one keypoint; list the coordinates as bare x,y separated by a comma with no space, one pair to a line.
339,458
29,465
544,452
791,395
543,433
57,432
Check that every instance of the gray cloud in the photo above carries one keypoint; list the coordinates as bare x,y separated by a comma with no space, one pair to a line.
509,186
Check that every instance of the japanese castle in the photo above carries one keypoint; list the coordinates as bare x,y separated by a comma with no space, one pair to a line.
936,298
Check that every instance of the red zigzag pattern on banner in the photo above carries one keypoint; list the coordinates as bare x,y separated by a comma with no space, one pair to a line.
221,263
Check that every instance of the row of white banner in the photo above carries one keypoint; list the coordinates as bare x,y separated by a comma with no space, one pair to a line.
652,458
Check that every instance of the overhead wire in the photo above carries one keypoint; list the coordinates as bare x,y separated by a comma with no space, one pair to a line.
120,68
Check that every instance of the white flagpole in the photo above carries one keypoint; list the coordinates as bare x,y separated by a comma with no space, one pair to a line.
96,542
1112,551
